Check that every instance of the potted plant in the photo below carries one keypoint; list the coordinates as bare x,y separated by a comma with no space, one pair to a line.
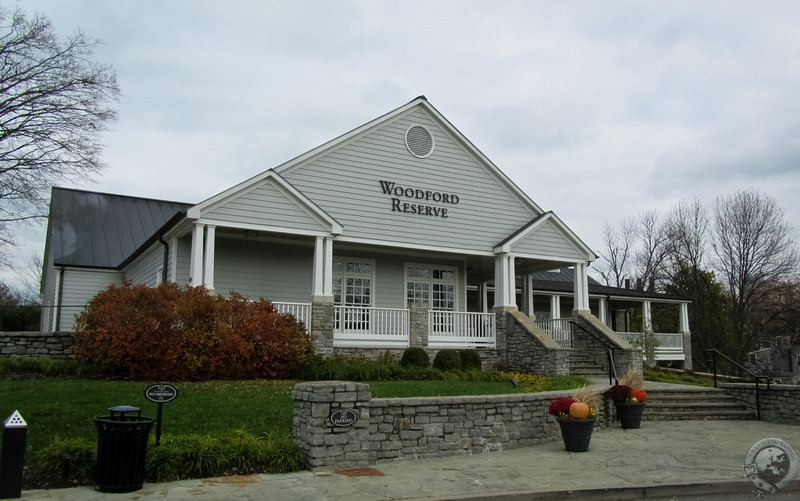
629,399
576,416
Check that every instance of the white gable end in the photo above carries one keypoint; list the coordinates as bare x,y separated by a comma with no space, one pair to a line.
382,193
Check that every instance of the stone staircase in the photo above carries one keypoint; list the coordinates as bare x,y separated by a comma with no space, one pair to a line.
693,403
581,364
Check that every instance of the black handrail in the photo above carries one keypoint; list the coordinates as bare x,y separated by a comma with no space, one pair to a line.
756,377
612,368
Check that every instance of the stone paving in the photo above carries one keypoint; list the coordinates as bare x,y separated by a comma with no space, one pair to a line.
661,460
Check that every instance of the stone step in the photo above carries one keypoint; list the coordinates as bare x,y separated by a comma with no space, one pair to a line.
693,404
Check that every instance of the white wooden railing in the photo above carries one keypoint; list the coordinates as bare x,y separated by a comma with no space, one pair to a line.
458,329
356,326
560,329
301,311
669,345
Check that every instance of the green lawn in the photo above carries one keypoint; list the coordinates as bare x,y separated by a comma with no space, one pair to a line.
65,408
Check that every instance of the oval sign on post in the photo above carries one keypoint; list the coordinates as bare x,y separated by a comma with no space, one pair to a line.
343,417
161,393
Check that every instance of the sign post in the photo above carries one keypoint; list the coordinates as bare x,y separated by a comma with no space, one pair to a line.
160,394
12,457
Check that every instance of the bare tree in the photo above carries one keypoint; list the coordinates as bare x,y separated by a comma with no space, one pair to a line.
619,248
55,102
687,234
652,251
754,246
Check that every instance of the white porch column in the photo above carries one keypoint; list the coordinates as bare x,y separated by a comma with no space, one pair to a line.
647,319
527,295
601,310
684,317
555,306
581,287
208,271
323,265
504,290
483,294
196,259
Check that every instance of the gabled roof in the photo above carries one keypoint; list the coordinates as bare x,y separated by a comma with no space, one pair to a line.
528,235
282,194
101,230
422,102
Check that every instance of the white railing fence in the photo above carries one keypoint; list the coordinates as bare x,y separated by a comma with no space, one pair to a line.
458,329
301,311
357,326
560,329
669,344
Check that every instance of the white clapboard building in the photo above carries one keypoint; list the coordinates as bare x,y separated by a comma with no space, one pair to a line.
398,233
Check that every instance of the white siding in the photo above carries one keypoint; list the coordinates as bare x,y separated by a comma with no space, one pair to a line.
275,271
183,256
268,205
81,285
548,240
345,182
143,270
49,295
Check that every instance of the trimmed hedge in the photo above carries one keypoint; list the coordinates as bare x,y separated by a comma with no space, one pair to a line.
447,360
415,357
470,360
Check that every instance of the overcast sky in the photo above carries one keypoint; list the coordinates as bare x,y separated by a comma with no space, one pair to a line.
597,109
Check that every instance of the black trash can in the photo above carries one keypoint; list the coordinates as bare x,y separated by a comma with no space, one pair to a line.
121,449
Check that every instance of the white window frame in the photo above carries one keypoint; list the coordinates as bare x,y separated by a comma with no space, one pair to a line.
343,274
431,281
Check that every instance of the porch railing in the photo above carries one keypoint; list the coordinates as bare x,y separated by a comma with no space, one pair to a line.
458,329
301,311
560,329
669,344
357,326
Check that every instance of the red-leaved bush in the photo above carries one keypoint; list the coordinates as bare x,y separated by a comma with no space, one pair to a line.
174,333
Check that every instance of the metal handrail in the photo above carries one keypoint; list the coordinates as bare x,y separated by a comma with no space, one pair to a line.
756,377
612,368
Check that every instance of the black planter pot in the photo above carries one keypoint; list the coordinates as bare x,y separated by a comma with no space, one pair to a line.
629,414
576,433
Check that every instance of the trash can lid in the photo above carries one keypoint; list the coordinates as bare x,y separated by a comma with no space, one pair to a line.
123,409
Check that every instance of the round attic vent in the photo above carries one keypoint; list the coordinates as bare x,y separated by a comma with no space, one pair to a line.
419,141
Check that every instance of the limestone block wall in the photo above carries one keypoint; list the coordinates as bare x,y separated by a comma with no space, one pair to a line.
595,339
779,404
418,428
55,345
528,348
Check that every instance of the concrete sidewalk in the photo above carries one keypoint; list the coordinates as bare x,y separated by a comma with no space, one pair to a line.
661,460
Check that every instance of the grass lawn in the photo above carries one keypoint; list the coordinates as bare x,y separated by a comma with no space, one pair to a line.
66,408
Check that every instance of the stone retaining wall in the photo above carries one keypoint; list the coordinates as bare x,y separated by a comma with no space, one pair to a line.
55,345
779,404
394,429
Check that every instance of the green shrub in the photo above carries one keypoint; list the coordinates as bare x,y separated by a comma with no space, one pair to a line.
174,333
239,452
470,360
447,360
70,460
415,357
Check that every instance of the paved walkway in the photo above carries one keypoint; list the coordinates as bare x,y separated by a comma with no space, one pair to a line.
661,460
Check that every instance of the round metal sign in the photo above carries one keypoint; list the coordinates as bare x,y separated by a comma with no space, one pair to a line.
343,417
161,393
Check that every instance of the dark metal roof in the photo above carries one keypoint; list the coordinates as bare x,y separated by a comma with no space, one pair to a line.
563,280
103,230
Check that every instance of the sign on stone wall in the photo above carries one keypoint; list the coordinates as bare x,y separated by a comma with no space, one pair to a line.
343,417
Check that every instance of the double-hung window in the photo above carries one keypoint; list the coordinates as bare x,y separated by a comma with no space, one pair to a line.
352,287
432,285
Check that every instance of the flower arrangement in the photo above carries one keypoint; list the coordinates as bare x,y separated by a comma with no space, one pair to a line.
629,390
582,404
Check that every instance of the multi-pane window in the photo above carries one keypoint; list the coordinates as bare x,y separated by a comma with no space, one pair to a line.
431,285
352,282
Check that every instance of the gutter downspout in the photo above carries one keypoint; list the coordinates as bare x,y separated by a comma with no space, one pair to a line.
60,298
166,257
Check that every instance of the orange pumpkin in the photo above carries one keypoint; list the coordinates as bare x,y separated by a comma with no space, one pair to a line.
579,410
639,394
